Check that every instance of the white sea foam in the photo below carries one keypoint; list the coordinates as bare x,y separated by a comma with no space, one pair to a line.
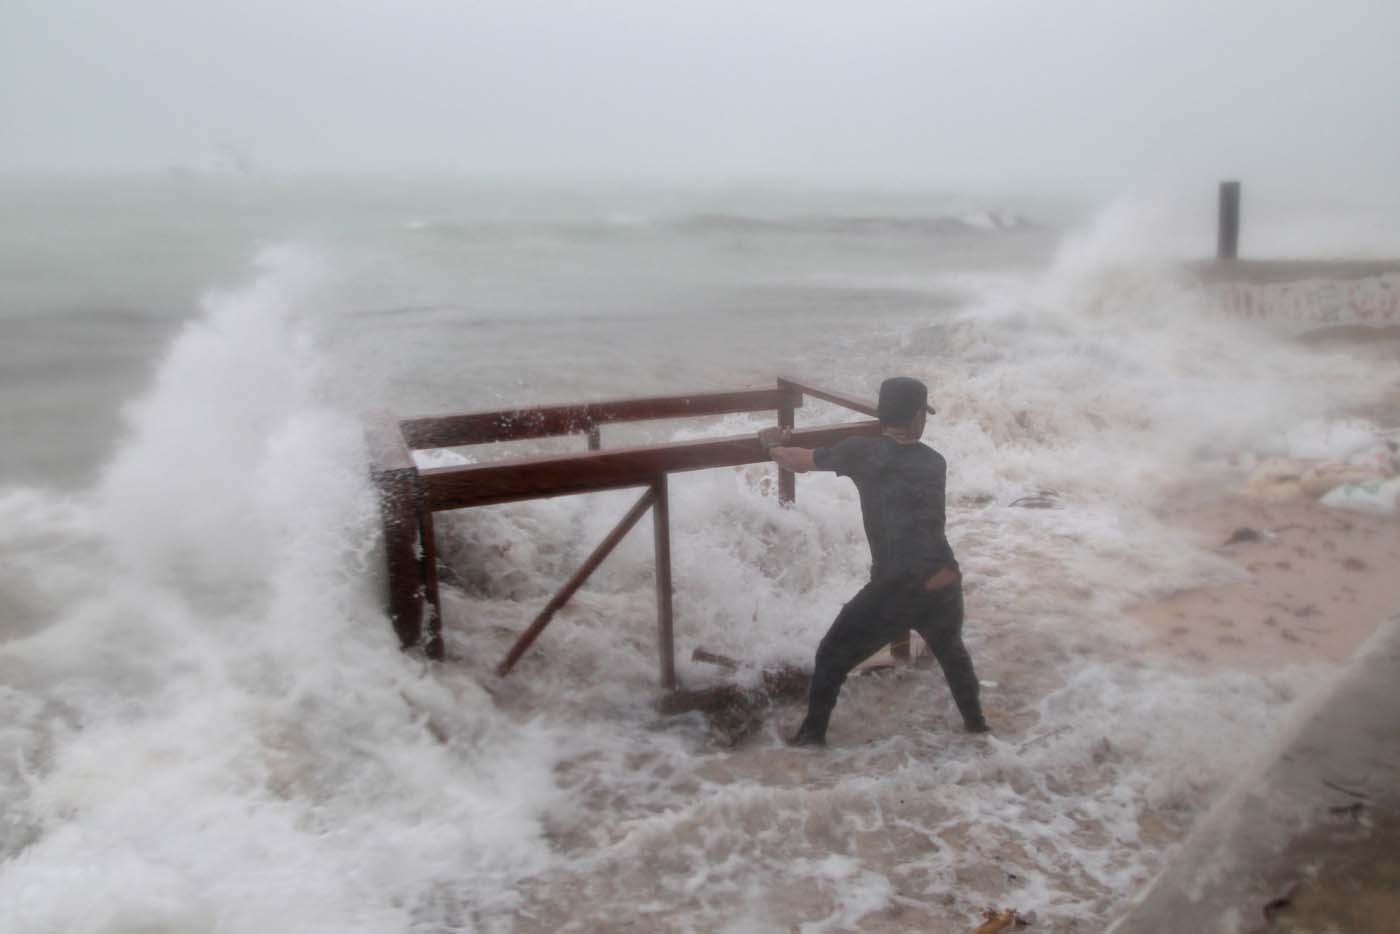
213,730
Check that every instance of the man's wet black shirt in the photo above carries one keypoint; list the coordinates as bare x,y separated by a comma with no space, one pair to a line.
901,490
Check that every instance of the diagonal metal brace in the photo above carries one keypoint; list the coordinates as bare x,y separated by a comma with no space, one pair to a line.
574,583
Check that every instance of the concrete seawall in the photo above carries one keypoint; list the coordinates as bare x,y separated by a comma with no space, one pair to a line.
1306,297
1275,271
1308,840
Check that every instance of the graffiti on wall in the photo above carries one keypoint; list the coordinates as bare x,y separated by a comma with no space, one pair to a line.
1315,303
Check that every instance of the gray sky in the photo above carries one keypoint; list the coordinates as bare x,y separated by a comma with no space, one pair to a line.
1059,94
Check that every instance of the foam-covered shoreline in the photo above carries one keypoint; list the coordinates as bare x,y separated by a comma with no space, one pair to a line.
1306,837
214,731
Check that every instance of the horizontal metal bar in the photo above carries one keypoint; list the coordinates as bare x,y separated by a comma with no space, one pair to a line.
561,474
863,406
445,431
855,403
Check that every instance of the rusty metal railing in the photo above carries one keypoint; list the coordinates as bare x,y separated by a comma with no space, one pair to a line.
409,495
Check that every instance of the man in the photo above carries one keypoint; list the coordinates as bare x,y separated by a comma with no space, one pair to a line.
914,579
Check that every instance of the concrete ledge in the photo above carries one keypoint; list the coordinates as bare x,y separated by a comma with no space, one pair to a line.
1271,271
1308,840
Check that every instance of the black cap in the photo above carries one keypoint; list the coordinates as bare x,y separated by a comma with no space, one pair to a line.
901,398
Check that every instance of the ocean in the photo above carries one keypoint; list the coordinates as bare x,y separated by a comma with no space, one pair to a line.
206,724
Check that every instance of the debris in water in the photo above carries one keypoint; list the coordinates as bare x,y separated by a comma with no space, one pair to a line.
1376,498
1345,790
1243,534
714,658
1041,499
734,712
994,921
1058,731
1282,903
785,682
1276,480
1352,810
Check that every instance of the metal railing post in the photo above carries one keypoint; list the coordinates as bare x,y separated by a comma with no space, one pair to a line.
401,508
432,632
661,522
787,418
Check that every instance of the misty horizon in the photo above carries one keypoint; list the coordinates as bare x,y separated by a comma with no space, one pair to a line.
1071,101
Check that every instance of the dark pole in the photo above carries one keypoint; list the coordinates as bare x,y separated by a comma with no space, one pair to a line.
661,516
398,507
787,418
432,637
1228,244
401,504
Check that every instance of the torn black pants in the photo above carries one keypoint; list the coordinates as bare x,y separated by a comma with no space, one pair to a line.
880,613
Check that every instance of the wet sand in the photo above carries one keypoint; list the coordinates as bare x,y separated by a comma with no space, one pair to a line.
898,794
1315,583
897,797
902,799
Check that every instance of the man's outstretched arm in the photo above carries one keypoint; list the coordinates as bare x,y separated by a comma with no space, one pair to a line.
798,460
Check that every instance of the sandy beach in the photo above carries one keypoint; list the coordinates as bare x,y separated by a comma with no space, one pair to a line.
1315,582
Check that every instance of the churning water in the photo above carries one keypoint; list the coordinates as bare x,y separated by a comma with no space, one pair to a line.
205,724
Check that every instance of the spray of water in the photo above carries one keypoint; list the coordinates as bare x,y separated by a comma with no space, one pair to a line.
212,730
207,726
